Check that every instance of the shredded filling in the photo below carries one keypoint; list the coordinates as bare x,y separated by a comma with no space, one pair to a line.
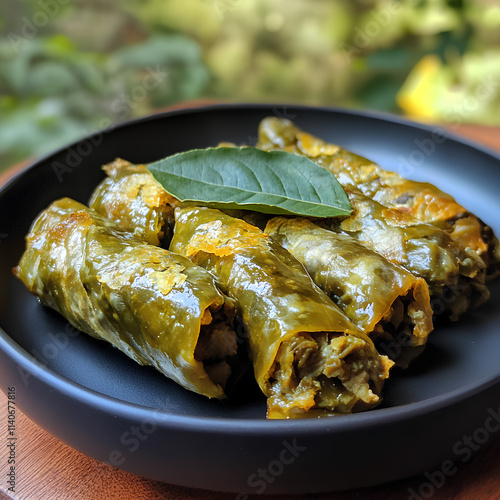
325,373
401,333
470,229
217,344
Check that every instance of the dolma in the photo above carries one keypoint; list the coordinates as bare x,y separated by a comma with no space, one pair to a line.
135,201
421,199
383,299
308,358
155,306
455,275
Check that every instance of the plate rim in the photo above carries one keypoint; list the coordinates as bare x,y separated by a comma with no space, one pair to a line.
372,114
389,415
127,409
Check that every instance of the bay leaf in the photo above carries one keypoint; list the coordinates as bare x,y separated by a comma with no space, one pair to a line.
273,182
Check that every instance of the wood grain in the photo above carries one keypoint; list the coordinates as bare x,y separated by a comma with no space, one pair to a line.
47,469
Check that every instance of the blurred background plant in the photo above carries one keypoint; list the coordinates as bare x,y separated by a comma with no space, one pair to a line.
68,68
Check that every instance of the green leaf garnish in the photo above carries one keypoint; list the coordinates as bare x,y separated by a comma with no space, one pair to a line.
274,182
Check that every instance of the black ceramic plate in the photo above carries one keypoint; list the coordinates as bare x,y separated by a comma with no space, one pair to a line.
96,399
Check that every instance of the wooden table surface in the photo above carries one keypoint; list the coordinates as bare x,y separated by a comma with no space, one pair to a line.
47,469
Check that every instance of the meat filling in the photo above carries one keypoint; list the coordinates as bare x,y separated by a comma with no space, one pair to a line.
217,343
325,374
402,333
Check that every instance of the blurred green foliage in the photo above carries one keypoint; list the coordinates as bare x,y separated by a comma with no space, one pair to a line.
69,68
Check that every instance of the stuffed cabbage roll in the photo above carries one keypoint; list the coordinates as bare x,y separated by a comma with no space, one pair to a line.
155,306
422,200
308,358
455,275
135,201
387,302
